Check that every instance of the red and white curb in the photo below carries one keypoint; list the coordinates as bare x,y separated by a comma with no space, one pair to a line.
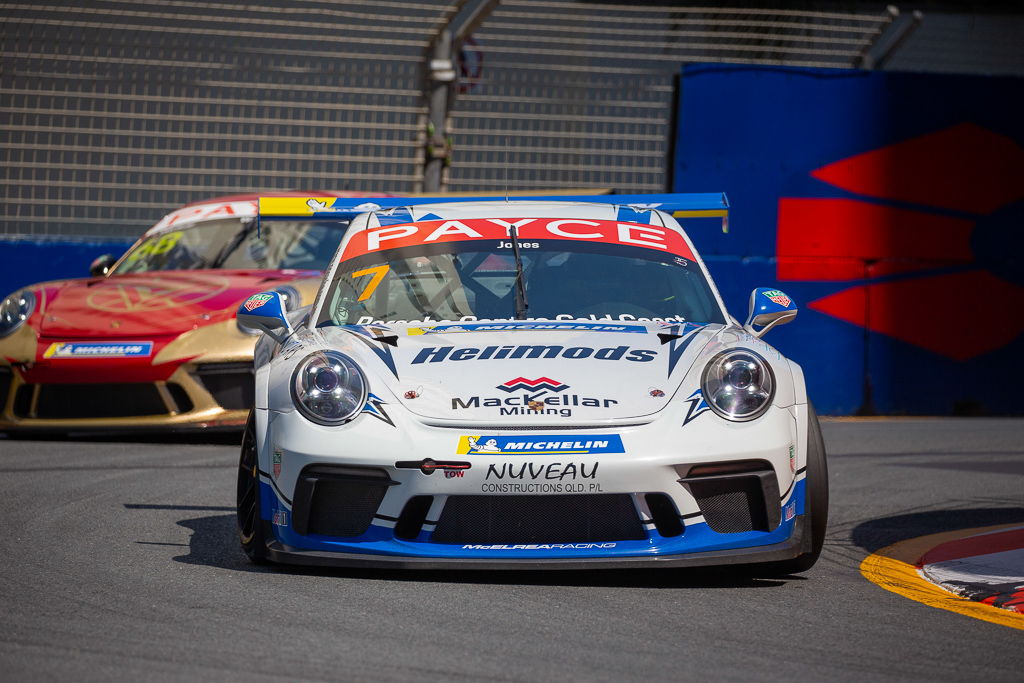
987,567
939,570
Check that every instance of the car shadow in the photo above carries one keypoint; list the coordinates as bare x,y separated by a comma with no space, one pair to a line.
213,543
879,533
232,437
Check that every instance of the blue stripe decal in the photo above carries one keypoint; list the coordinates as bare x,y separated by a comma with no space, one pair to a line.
379,540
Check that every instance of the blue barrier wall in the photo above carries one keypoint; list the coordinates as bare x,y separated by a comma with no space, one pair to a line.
889,206
26,262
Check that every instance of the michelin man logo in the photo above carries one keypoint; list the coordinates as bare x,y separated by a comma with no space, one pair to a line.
489,446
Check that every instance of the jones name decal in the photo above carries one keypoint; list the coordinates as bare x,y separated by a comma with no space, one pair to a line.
540,445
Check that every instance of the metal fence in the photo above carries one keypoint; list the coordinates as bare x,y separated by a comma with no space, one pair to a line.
115,111
559,93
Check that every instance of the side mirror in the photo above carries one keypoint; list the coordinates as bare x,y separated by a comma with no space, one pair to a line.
266,312
768,308
102,265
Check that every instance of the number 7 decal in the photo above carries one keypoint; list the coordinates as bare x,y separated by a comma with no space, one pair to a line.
378,274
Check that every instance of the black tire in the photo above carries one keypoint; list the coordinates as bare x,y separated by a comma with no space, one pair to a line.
250,522
816,506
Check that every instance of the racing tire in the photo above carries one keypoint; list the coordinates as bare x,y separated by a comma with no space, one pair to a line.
249,519
816,505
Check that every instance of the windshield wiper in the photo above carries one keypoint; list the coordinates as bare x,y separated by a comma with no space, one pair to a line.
236,241
521,303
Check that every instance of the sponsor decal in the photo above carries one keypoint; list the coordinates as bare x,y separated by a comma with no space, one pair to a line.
540,445
544,546
789,511
280,518
157,295
792,459
99,350
398,235
257,300
656,393
530,326
523,384
542,487
277,463
375,406
439,354
533,404
561,317
532,471
698,406
778,297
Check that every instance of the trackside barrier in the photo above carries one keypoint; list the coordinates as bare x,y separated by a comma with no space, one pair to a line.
889,206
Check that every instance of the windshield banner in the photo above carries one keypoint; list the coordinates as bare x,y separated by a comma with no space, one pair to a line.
528,231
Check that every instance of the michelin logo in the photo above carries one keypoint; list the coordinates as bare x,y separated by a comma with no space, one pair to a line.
99,350
540,445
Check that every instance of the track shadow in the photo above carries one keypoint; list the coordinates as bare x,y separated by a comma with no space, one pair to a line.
232,437
879,533
214,543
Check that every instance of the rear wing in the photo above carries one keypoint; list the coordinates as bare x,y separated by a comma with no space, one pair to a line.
680,205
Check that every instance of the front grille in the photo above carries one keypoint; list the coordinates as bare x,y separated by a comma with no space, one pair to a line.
664,513
232,385
337,500
539,519
73,401
5,387
736,502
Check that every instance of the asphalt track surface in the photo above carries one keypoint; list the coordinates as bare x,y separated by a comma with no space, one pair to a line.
119,562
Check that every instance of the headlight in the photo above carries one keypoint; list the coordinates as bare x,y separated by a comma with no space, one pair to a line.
292,300
328,388
738,385
15,310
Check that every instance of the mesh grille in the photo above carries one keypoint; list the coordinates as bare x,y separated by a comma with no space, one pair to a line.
731,505
343,508
538,519
232,385
71,401
5,387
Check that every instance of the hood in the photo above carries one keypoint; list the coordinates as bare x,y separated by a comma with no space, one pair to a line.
573,372
151,304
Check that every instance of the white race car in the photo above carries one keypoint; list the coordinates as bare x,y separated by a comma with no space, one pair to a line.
527,384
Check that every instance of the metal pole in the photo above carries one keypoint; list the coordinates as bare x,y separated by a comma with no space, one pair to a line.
441,75
440,91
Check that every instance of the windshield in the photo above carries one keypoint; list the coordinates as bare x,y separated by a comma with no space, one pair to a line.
564,280
234,243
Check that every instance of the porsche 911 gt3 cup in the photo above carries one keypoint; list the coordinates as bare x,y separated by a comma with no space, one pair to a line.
524,384
150,341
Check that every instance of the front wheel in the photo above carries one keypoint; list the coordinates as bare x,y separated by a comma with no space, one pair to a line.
816,504
250,522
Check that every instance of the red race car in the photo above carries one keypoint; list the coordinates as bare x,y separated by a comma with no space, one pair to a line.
151,340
